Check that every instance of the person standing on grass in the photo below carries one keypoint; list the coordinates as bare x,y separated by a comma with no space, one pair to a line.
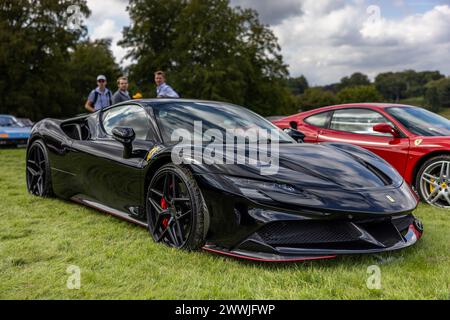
100,97
121,94
163,90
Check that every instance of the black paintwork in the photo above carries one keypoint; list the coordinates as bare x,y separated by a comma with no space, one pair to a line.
337,184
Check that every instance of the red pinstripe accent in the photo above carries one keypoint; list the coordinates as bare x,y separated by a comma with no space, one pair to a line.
230,254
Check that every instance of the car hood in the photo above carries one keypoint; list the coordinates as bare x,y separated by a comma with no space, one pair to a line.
331,178
327,166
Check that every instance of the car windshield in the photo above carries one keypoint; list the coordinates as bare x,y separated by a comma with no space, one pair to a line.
420,121
217,116
9,122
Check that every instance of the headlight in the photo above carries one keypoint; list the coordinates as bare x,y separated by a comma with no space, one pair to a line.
256,189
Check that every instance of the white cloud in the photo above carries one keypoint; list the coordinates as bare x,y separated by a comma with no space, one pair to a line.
327,39
332,40
107,21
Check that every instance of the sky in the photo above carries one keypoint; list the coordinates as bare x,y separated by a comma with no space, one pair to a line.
326,40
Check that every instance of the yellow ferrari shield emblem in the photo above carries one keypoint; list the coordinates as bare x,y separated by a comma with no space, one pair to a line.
418,142
152,152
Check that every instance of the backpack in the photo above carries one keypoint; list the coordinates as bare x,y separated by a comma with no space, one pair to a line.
96,97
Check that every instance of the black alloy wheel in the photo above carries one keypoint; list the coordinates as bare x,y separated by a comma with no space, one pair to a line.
175,209
38,170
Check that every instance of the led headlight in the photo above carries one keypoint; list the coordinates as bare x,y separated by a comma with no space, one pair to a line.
255,189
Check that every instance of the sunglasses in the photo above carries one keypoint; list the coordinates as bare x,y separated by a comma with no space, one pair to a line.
101,81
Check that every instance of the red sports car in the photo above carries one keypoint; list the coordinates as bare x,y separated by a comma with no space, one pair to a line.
413,140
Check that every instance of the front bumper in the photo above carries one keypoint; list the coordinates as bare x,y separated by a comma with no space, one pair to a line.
310,240
284,230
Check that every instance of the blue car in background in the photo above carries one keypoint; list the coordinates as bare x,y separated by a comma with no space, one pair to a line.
12,132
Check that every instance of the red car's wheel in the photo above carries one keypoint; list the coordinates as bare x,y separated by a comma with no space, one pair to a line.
433,183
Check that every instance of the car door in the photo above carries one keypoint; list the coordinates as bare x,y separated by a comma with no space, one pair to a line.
355,126
109,178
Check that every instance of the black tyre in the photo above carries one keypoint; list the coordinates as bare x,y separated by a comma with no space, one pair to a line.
175,209
38,172
433,181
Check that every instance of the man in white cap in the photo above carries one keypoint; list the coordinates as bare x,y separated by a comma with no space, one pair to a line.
100,97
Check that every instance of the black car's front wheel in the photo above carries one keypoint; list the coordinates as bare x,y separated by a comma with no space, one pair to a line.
38,170
175,209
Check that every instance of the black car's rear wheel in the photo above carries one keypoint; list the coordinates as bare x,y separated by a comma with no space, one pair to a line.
433,182
175,209
38,170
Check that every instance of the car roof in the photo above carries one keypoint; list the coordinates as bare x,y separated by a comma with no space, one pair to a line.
364,105
169,100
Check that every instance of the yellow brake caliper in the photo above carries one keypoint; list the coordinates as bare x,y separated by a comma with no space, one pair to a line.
432,186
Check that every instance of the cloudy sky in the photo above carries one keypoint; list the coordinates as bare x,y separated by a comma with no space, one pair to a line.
328,39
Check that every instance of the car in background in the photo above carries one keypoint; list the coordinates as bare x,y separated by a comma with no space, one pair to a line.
12,132
25,122
413,140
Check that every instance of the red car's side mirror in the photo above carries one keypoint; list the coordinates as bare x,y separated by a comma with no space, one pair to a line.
386,128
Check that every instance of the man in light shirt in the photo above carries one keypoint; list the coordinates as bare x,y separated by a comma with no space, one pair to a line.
100,97
163,90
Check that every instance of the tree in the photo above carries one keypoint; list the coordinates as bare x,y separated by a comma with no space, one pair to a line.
359,94
416,81
315,98
89,59
34,49
298,85
210,50
356,79
438,94
391,85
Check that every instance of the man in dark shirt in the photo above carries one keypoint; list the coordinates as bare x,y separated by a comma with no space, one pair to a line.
122,94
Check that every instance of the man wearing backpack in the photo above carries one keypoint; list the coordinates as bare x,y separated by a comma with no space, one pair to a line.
100,97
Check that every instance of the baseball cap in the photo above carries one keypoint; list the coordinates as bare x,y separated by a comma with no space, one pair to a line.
101,77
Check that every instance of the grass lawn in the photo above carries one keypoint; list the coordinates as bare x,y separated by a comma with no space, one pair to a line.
41,238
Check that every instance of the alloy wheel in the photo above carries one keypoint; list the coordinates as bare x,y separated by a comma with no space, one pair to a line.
36,170
435,184
170,205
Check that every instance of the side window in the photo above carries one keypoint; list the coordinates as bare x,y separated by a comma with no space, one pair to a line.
131,116
359,121
319,120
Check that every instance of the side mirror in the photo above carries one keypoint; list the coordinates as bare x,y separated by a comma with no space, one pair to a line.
295,134
386,128
125,136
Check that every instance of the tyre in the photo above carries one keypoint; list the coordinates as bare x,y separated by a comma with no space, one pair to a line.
38,172
175,209
433,181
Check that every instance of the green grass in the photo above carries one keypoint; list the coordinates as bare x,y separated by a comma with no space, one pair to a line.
445,113
41,238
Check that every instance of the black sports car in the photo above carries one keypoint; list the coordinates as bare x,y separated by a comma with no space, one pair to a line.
323,200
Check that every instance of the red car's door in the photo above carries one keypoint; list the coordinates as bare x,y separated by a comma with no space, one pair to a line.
355,126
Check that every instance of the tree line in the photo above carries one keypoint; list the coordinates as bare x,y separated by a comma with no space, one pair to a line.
429,89
209,49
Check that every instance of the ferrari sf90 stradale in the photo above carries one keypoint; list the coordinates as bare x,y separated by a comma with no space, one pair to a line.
322,201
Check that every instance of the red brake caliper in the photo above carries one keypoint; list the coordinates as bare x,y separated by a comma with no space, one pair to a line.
164,206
